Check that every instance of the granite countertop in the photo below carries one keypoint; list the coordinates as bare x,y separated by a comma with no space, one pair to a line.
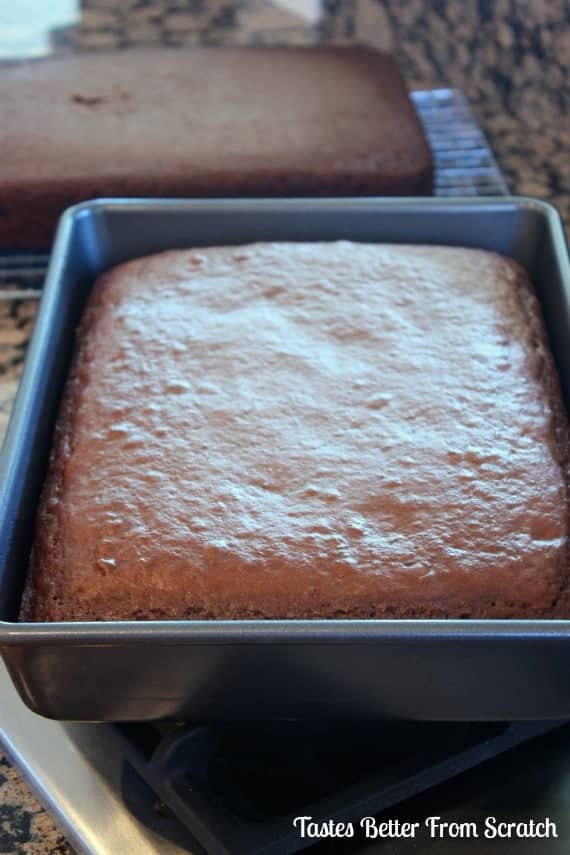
511,58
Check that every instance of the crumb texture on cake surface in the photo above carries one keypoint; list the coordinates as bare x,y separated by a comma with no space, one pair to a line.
247,122
306,430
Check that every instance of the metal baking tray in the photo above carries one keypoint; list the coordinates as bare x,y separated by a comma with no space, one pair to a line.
214,670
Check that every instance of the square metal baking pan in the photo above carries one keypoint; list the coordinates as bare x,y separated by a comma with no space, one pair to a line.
207,670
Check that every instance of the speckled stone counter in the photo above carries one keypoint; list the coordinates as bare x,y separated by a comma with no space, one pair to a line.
511,57
24,826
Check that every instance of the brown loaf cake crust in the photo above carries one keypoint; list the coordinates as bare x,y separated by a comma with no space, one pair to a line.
202,122
305,430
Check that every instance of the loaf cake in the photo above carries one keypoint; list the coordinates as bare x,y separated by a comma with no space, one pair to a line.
202,122
306,430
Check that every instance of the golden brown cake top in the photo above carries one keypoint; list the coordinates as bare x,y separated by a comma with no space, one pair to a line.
281,430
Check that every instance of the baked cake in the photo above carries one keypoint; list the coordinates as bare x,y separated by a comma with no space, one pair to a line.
306,430
202,122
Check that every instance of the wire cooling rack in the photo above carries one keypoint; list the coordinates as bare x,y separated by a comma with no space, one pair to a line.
464,166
